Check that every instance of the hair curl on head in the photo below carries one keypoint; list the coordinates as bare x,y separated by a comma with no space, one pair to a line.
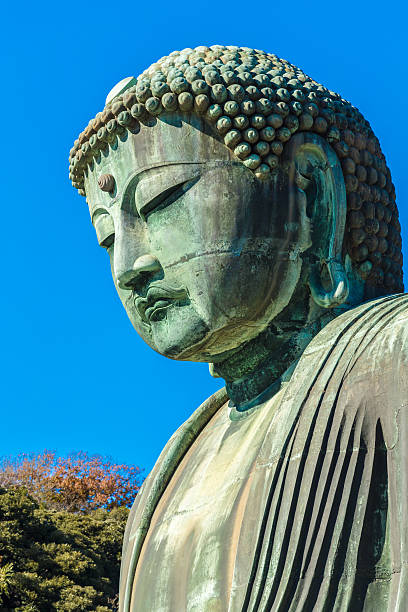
256,102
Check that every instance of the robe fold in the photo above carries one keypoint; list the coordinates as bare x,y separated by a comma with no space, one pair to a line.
311,512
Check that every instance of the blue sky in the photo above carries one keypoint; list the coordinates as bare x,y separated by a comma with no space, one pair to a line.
74,374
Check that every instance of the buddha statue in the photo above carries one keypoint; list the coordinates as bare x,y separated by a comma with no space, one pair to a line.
250,221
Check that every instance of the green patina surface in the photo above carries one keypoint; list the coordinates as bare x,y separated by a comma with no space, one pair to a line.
248,213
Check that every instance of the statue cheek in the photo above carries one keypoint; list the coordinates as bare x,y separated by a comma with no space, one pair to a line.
227,286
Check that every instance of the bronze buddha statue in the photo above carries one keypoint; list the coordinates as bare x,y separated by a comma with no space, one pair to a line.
250,220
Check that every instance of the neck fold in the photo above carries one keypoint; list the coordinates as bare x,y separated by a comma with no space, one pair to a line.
258,366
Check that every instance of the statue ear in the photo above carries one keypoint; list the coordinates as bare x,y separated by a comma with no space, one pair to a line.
315,172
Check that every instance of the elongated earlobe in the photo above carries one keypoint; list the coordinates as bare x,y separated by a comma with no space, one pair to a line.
318,176
337,293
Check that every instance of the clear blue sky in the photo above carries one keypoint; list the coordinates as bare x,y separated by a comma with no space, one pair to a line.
74,374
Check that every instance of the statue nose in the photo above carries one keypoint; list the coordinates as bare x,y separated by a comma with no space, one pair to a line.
144,266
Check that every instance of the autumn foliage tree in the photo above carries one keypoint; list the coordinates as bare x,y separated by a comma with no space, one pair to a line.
77,483
61,528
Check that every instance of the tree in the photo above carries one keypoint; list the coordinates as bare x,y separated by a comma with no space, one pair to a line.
61,528
58,560
77,483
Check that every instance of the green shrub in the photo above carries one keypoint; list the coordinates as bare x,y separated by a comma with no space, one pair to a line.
57,560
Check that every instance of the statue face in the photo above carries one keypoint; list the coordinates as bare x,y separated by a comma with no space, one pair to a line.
203,254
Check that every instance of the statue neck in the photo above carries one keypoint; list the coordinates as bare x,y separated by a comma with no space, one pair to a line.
257,365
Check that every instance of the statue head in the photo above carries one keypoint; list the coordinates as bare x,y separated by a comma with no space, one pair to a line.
227,187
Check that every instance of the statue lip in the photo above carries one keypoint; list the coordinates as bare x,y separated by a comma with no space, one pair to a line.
158,297
159,305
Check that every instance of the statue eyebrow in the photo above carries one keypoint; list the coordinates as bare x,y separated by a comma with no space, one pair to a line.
207,162
166,164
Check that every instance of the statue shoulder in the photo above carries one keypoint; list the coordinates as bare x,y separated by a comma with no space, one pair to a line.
381,325
391,329
378,352
372,370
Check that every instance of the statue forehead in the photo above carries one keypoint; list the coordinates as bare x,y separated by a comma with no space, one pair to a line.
172,138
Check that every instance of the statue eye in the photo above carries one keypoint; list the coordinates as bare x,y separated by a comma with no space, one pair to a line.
155,193
167,197
105,230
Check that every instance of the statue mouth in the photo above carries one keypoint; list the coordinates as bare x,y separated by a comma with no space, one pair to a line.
158,298
156,311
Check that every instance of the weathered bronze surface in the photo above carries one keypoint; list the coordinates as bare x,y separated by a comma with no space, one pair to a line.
250,220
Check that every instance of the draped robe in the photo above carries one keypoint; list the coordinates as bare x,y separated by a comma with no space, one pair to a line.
319,515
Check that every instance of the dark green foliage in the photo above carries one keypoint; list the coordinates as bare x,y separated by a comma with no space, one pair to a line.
57,560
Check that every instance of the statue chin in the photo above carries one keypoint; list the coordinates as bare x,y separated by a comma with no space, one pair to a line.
181,333
189,331
177,330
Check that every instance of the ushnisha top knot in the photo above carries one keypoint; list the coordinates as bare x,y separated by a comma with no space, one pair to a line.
256,101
